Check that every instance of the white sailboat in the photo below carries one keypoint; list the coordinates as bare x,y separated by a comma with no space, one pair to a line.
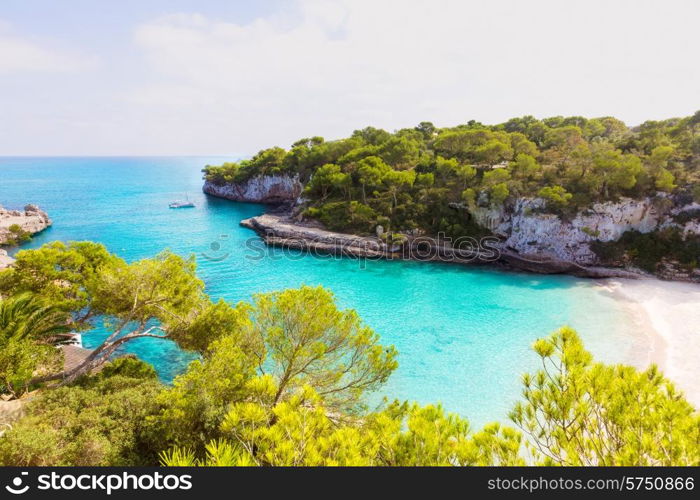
182,204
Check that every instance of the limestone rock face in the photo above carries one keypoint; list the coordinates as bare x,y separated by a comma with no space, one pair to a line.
530,231
31,220
262,189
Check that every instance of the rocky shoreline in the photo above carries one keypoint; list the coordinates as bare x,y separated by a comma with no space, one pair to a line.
283,230
525,236
15,223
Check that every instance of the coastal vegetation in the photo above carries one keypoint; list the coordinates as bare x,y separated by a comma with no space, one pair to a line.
284,380
27,325
430,179
646,250
17,235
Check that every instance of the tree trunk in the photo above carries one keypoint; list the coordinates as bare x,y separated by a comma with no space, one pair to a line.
98,357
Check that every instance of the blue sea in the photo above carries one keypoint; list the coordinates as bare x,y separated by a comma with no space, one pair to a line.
463,333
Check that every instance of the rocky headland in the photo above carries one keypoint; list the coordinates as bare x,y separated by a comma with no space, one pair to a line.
16,225
525,236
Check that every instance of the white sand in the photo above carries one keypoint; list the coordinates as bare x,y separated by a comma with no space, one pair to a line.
668,314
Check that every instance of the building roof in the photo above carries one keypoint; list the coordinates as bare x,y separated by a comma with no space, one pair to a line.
73,356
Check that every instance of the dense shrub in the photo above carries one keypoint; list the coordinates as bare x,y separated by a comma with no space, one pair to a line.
101,420
646,250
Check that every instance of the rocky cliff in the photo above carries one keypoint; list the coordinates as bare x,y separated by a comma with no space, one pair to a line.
272,189
530,231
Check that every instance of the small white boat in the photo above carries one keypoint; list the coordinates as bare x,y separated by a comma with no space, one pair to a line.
182,204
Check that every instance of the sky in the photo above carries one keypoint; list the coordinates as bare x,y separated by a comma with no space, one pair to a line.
227,77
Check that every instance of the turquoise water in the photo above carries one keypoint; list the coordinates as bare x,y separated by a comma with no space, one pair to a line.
463,333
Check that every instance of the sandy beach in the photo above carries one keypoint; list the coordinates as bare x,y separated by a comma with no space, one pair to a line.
668,314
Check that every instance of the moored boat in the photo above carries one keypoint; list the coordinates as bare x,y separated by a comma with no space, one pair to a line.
182,204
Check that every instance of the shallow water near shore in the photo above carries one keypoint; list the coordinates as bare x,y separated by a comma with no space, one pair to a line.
463,333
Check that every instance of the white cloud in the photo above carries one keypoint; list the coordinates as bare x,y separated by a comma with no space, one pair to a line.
191,84
349,63
19,55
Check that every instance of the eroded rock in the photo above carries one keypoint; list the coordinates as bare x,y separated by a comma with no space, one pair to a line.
32,220
262,189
